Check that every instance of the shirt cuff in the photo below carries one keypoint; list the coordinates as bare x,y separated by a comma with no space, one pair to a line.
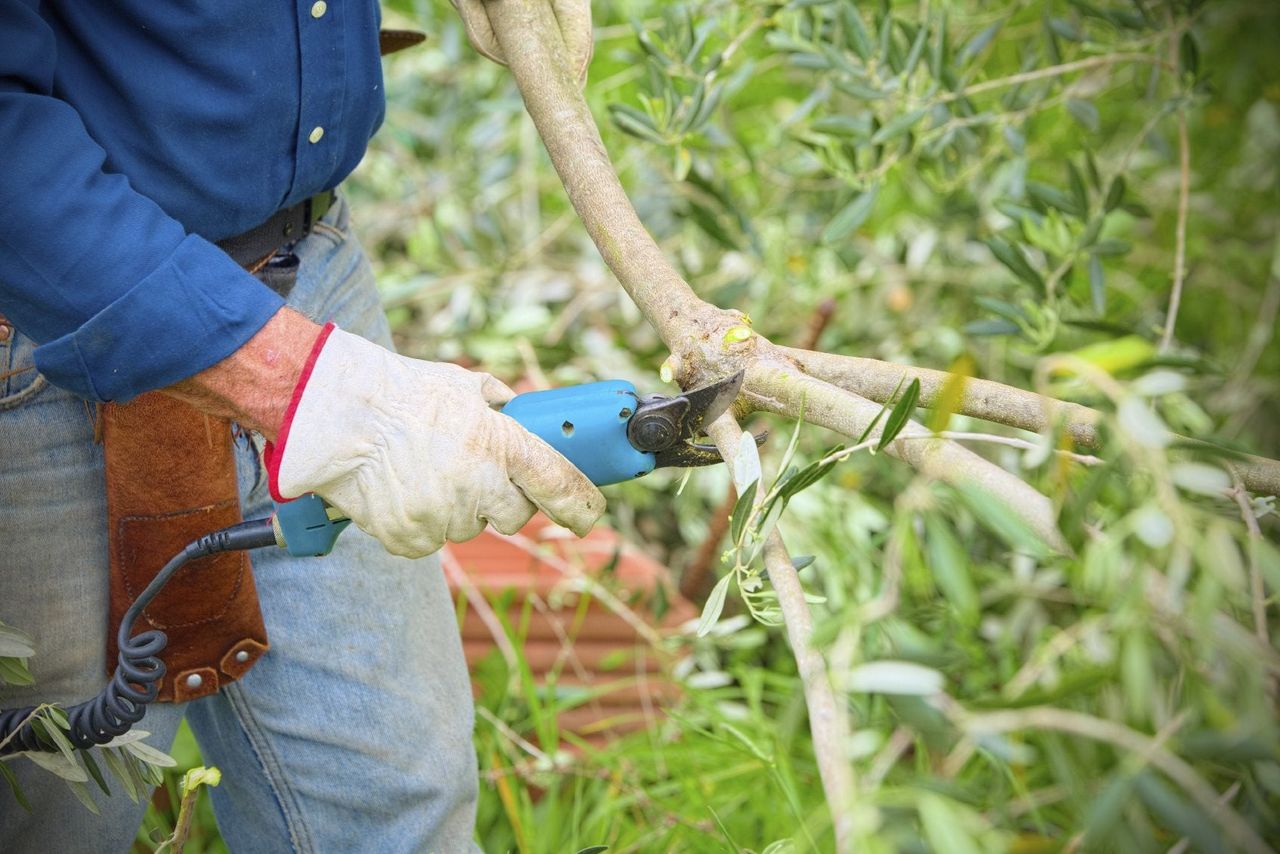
193,311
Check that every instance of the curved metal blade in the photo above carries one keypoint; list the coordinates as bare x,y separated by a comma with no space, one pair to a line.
708,402
666,426
690,454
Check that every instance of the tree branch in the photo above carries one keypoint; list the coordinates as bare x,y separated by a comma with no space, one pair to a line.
535,52
994,402
785,391
827,718
990,401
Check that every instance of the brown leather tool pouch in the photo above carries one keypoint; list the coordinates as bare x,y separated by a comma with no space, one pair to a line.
171,478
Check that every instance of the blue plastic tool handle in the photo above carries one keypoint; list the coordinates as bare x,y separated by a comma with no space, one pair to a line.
588,425
307,526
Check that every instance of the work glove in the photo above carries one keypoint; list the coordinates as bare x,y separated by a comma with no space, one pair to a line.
574,17
413,454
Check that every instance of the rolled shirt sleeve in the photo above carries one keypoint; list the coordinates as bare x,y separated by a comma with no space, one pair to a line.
195,309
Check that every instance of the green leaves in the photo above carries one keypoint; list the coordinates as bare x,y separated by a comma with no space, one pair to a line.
631,121
1013,259
997,517
850,217
979,42
1097,285
741,509
714,606
950,566
945,826
898,126
900,415
1115,194
13,671
15,643
1085,113
895,677
746,465
15,648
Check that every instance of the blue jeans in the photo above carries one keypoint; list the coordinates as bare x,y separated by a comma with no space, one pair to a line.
352,734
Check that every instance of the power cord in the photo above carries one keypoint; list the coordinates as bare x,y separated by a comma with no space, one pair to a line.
136,681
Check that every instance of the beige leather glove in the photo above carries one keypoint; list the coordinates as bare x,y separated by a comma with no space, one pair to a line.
574,17
413,454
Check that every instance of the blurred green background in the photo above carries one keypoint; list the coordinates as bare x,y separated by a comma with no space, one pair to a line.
807,157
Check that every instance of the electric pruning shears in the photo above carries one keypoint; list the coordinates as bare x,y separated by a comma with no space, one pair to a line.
605,428
611,433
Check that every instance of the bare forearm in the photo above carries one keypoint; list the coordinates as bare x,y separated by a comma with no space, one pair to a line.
253,385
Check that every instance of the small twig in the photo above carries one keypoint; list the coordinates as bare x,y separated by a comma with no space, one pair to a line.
883,763
1014,442
1264,326
454,571
1180,234
586,584
26,722
511,735
696,581
827,715
1185,842
961,436
1050,652
1257,589
1051,71
818,323
532,367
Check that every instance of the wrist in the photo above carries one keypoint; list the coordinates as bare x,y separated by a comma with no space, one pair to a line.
255,385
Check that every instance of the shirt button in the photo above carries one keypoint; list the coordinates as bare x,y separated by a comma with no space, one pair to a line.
5,331
317,134
318,9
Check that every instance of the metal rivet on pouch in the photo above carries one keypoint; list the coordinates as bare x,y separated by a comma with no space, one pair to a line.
242,656
195,680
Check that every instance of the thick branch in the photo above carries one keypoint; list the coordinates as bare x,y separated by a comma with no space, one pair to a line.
827,720
992,401
527,31
785,391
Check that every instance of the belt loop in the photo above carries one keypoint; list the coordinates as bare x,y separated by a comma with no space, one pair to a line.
319,205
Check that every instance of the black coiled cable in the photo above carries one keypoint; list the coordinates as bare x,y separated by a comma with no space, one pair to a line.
136,681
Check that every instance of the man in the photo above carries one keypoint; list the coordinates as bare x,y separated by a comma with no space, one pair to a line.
135,134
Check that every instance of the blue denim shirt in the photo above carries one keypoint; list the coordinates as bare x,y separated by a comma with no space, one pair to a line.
133,133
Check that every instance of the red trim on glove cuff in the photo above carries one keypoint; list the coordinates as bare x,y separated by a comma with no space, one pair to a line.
273,453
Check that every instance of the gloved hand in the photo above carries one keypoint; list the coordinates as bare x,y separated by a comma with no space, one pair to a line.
574,17
412,453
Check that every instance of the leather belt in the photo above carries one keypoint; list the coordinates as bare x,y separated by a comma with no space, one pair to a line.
255,247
